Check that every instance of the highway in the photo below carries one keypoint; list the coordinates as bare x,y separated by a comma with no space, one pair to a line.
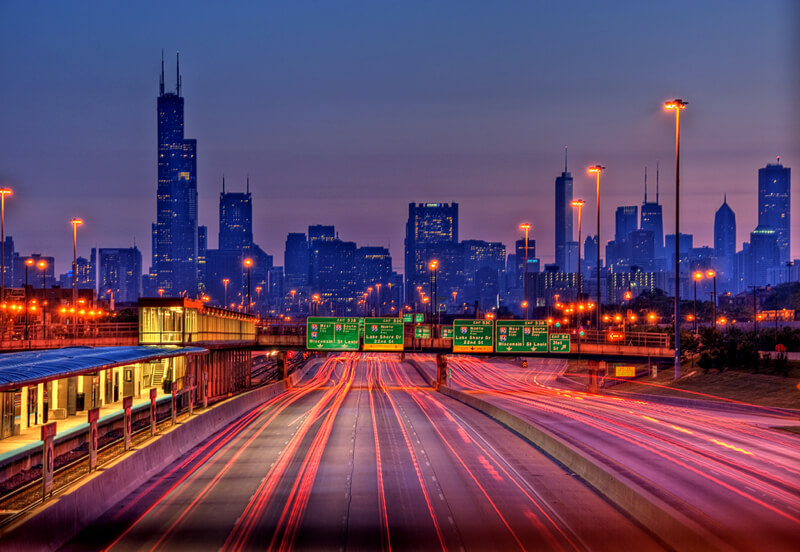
363,455
723,466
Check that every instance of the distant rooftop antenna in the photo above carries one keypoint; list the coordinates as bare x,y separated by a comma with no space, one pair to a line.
645,183
779,159
565,158
178,71
223,183
248,183
656,181
161,83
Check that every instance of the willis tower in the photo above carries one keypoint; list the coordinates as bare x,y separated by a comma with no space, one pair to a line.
175,231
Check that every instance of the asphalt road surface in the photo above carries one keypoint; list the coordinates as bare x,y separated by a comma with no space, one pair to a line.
726,467
362,455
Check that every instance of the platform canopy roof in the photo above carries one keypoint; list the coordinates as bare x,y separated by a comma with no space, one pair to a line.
33,367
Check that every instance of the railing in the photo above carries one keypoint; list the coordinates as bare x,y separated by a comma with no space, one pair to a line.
72,454
64,335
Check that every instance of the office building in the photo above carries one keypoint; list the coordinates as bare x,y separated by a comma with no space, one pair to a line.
652,219
175,230
431,228
774,204
625,222
725,240
120,274
235,219
563,216
295,260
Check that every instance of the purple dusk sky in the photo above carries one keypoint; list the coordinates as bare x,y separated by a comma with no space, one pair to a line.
343,112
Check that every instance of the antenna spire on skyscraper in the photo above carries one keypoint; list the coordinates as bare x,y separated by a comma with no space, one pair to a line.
248,183
178,71
656,181
161,83
645,183
223,183
565,158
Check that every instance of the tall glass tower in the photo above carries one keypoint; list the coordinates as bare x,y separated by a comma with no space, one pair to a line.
175,229
563,216
774,202
725,239
652,219
235,219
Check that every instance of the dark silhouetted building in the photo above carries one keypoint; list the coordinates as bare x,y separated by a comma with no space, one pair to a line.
175,230
295,260
563,216
774,204
235,219
652,220
625,222
431,233
120,274
725,240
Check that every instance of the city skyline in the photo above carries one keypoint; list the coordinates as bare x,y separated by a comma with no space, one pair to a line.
487,170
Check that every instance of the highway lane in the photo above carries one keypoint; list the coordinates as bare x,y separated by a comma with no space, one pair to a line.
362,455
726,469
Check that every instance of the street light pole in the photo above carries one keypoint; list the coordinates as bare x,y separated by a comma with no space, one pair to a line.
43,267
28,262
596,170
248,263
579,203
526,227
3,193
225,282
713,274
677,105
433,265
75,223
697,277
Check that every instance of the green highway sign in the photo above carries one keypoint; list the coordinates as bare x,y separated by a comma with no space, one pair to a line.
447,332
408,318
383,334
332,334
521,336
422,332
419,318
473,336
559,343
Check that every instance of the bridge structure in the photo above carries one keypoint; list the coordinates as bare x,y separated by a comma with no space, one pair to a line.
592,346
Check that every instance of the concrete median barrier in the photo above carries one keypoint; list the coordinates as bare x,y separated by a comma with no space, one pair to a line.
665,521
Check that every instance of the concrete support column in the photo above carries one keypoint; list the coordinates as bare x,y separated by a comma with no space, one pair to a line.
441,369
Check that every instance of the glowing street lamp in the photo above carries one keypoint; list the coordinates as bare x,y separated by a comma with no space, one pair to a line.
225,282
579,203
525,227
28,263
433,265
248,264
677,105
161,292
596,170
3,193
710,273
696,277
75,223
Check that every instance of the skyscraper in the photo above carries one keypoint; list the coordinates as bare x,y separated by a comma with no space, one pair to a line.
652,219
626,222
774,204
563,216
120,274
295,260
430,228
175,230
235,219
725,239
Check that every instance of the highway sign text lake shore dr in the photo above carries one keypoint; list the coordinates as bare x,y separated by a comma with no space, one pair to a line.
332,334
473,336
521,336
383,334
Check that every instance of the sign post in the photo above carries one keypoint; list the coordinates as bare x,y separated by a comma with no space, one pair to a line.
153,393
48,458
127,402
332,334
473,336
559,343
383,334
94,415
174,403
521,336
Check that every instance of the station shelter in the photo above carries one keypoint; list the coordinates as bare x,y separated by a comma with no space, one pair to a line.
37,387
228,335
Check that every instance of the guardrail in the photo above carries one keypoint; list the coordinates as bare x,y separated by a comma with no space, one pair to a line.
72,454
37,336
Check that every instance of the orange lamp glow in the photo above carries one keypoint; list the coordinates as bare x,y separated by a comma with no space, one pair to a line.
433,264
